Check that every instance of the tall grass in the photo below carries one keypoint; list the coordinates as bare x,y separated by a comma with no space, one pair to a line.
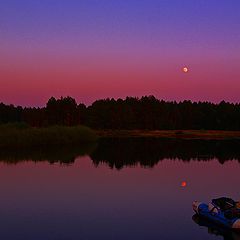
20,135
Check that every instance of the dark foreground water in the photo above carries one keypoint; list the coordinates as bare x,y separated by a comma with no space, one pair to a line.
121,189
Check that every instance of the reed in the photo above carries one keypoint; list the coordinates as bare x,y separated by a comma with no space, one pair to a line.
21,135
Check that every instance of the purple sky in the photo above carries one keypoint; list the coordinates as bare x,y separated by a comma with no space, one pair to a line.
96,49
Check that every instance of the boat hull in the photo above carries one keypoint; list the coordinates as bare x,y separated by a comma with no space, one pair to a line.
215,215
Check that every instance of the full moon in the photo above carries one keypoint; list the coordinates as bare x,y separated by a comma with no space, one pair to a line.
183,184
185,69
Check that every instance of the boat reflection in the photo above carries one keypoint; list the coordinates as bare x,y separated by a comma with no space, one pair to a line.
215,229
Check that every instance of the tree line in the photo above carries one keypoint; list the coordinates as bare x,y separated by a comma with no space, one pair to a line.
148,113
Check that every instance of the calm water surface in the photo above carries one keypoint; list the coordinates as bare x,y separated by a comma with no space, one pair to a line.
101,196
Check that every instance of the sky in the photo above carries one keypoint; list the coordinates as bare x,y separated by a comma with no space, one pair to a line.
92,49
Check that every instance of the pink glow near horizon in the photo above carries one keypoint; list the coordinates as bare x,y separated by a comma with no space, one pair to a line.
32,84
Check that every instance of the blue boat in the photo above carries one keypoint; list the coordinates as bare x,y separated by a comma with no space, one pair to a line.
216,229
222,211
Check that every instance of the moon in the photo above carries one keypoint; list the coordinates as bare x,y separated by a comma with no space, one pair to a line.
185,69
183,184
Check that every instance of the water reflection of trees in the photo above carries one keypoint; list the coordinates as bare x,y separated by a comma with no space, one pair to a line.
147,152
122,152
52,154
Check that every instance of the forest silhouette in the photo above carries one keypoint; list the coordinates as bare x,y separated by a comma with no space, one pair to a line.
146,113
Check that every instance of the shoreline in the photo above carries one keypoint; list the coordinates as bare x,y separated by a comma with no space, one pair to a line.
177,134
17,135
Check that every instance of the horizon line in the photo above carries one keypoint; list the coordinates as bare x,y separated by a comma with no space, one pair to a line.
124,98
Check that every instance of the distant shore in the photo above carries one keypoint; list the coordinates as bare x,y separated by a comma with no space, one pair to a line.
21,135
181,134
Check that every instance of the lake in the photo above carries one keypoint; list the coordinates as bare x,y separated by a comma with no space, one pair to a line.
116,189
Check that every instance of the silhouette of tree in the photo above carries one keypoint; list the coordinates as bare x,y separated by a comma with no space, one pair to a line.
9,113
62,111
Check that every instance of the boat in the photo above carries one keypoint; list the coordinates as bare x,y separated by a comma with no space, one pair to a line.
216,229
223,211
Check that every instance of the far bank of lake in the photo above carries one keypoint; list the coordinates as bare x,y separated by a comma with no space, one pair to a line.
183,134
23,136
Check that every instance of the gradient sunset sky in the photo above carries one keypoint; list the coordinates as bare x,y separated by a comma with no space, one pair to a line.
91,49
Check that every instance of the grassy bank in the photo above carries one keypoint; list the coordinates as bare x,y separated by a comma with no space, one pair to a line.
183,134
20,135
